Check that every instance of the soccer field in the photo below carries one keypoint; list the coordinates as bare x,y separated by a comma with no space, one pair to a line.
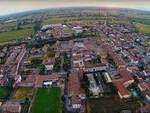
47,100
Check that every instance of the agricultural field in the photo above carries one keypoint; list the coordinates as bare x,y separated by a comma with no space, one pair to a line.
23,93
147,42
110,104
47,100
141,20
58,20
3,92
143,28
8,26
16,34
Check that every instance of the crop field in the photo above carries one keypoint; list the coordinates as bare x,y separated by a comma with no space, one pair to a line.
23,93
5,26
3,92
47,100
143,28
141,20
16,34
58,20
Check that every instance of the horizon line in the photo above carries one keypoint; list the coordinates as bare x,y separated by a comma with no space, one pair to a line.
63,7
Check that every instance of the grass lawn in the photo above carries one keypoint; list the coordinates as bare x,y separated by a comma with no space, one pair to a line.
110,104
23,93
47,100
143,28
16,34
3,92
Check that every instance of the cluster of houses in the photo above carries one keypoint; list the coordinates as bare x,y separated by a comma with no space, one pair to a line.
120,56
17,61
129,53
82,55
12,64
58,31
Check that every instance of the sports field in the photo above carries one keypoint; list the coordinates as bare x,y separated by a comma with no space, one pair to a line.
47,100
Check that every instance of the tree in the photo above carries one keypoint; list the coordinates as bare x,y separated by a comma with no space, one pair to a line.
36,60
36,27
51,53
113,88
42,69
18,26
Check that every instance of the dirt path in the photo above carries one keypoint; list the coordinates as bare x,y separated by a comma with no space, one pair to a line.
29,110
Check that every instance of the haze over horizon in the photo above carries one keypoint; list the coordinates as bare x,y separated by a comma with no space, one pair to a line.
15,6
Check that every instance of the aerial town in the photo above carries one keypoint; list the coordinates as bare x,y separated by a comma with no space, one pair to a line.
87,67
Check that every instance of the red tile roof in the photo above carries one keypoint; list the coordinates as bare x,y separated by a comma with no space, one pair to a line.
74,88
11,107
122,90
41,78
125,74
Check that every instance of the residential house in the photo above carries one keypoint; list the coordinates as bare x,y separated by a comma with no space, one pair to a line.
11,107
49,64
49,80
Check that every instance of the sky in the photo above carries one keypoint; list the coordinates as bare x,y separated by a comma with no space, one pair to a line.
14,6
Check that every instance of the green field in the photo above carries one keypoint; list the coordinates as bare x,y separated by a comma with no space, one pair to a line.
110,104
142,20
3,92
47,100
58,20
143,28
5,26
16,34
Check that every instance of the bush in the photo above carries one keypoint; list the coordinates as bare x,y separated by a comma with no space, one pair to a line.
35,61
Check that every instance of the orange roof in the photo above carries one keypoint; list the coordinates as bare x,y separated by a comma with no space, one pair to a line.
75,99
122,90
74,84
74,88
125,74
41,78
49,60
11,107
